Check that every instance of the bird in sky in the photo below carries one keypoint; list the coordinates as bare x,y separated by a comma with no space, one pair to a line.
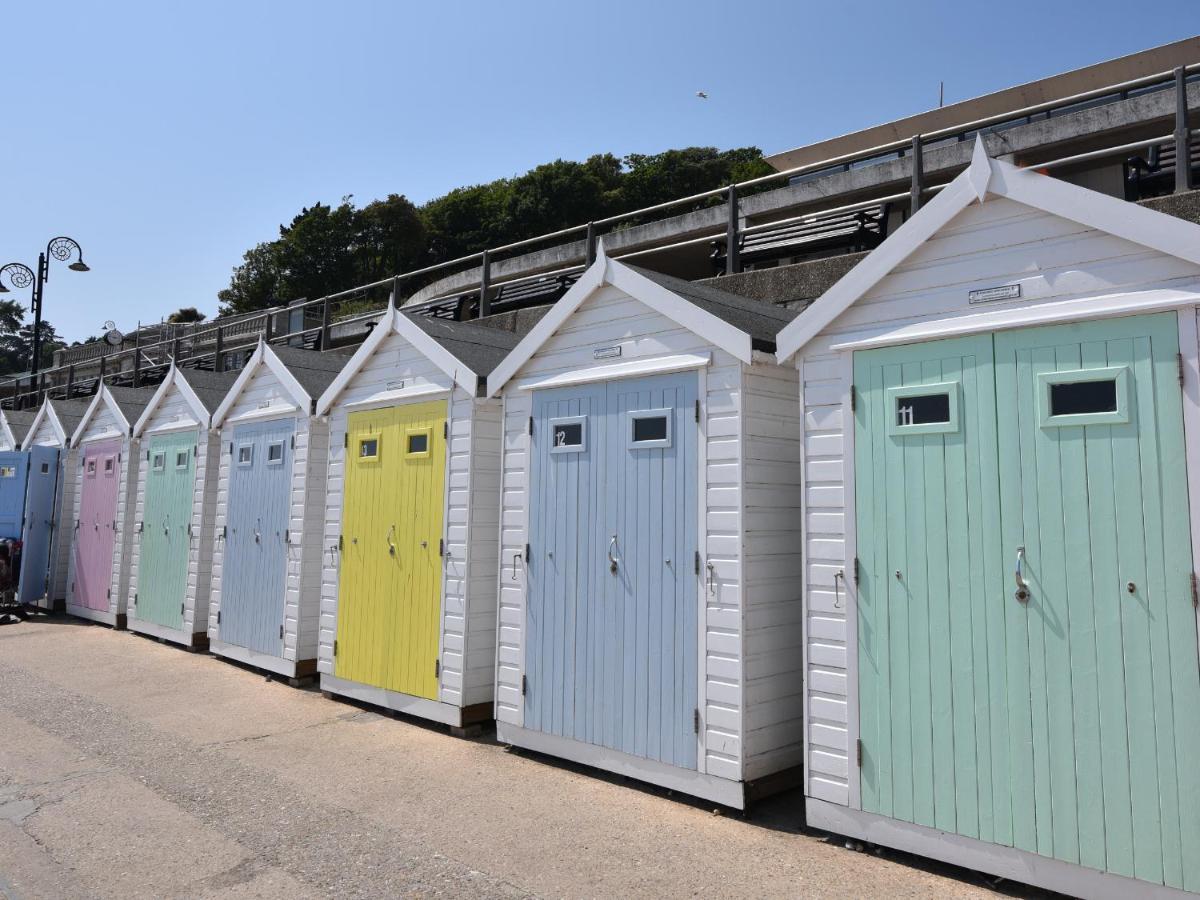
703,95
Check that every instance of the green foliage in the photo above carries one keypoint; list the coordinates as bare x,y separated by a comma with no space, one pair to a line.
16,340
327,249
186,314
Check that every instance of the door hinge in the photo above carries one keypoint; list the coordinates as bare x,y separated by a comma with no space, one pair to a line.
135,598
697,411
1195,590
346,439
109,594
856,571
441,546
853,399
524,685
281,632
293,442
858,752
181,609
147,456
335,648
341,542
696,720
437,668
531,425
697,562
446,430
1179,363
218,617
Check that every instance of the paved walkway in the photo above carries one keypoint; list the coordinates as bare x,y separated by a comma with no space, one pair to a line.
134,769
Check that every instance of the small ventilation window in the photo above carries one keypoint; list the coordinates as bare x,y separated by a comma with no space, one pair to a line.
368,448
91,467
275,453
45,468
923,409
8,471
159,461
108,465
245,454
568,435
650,428
181,459
1080,397
418,443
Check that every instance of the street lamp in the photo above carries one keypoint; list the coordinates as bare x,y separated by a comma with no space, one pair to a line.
21,276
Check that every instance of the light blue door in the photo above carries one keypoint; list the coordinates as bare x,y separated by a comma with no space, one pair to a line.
14,469
40,522
611,655
254,579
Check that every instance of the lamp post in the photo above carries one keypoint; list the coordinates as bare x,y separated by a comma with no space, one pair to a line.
21,276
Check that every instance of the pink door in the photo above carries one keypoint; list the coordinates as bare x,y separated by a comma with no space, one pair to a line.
95,531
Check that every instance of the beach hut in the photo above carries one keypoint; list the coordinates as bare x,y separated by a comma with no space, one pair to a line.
1001,410
14,425
649,595
270,511
47,545
408,592
171,544
100,522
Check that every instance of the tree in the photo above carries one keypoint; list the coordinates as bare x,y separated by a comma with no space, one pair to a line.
14,357
390,238
255,282
186,314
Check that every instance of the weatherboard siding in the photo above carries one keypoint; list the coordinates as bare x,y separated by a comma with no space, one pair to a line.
999,242
468,599
608,318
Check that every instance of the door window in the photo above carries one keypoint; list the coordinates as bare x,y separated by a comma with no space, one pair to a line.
649,428
181,459
91,468
109,465
923,408
8,471
416,441
159,461
369,449
275,453
1084,397
245,454
568,434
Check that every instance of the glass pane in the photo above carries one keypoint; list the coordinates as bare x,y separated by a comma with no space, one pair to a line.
568,434
927,409
652,428
160,460
8,471
1079,397
368,448
45,468
91,466
108,465
245,454
274,452
418,443
181,459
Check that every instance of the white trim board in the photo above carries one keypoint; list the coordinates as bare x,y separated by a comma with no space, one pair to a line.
277,664
404,395
605,271
660,365
421,707
984,177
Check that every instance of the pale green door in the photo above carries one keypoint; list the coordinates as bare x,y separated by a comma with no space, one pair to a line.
165,529
1059,719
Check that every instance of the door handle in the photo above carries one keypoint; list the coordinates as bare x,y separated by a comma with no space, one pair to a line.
1022,593
613,561
711,571
391,546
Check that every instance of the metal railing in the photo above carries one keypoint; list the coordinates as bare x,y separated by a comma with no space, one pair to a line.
220,338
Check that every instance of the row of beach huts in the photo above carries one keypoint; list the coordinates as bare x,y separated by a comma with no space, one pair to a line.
925,549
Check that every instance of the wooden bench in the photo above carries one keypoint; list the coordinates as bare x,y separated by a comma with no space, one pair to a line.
813,236
508,297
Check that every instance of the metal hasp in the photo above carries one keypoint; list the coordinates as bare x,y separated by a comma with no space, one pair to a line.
1183,159
733,252
1022,593
918,177
20,276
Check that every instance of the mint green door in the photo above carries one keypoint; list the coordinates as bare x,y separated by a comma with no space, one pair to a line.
1065,726
166,522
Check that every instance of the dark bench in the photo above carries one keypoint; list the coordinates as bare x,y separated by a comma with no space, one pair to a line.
1153,174
508,297
811,237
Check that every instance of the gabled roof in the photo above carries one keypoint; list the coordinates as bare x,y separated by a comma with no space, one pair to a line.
202,391
126,404
304,374
984,177
465,351
735,324
16,423
64,417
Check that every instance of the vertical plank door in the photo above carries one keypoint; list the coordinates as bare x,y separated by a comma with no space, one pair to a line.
95,530
254,576
14,472
166,526
40,497
1094,487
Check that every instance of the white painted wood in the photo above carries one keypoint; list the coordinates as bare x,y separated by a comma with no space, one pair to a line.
656,366
186,409
284,389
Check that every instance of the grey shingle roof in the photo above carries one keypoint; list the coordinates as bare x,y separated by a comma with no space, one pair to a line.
479,347
70,413
210,387
762,321
132,401
315,370
19,421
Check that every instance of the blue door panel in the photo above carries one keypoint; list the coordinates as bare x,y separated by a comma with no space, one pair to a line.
254,578
14,470
612,617
40,521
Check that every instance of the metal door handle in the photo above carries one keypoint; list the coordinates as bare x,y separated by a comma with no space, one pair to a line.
1022,593
613,561
391,546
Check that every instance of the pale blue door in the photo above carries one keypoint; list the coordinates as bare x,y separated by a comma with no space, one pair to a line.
612,621
40,522
254,578
14,469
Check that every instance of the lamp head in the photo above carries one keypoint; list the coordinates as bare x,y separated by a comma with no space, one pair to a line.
79,266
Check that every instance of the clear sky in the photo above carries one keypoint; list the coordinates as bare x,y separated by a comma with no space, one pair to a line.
168,137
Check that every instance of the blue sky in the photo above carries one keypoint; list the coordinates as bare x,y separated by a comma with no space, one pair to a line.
169,138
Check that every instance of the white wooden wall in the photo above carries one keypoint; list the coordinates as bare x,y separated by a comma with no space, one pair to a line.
103,426
60,543
995,243
468,602
607,318
302,601
173,414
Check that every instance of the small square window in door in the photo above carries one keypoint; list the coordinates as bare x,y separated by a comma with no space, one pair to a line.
568,435
1084,397
649,428
923,409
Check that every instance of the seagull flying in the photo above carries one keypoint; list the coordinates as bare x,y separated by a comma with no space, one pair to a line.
702,95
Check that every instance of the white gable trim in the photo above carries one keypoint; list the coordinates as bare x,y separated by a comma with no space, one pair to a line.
9,438
1146,227
604,271
103,397
656,365
263,356
44,413
175,379
397,323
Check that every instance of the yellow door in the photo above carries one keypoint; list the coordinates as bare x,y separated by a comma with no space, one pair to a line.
390,591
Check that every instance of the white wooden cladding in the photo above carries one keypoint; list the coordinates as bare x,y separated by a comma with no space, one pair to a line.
173,413
750,641
472,483
309,467
104,425
995,243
